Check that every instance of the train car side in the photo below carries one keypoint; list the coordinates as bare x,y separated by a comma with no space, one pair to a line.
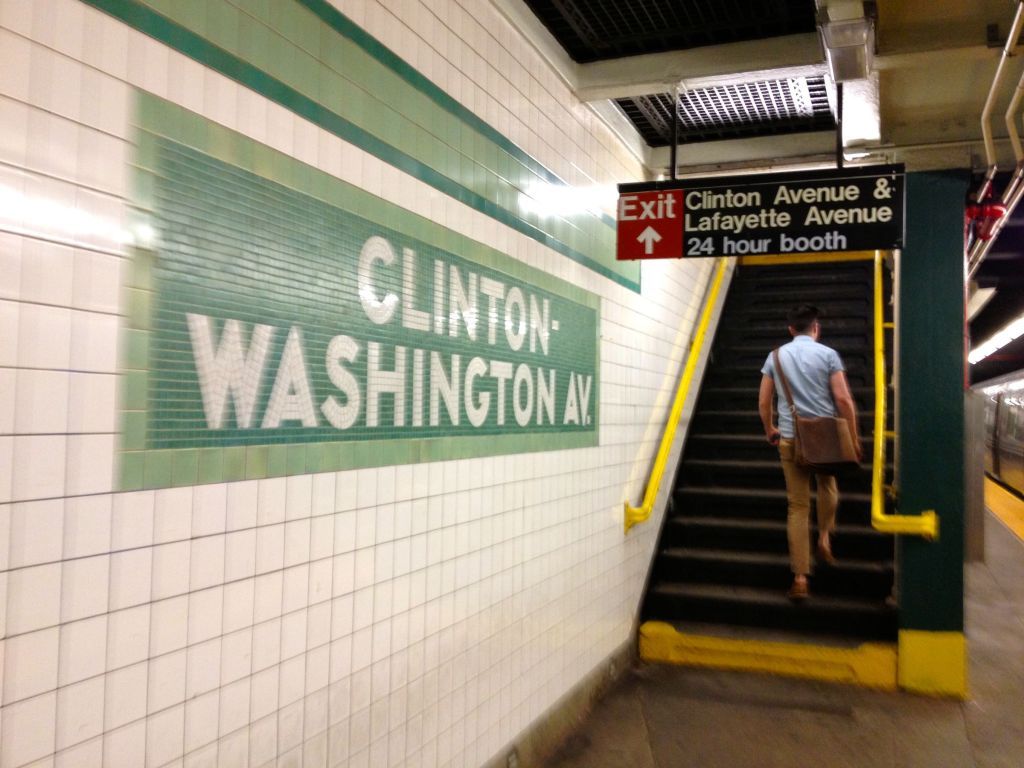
1004,431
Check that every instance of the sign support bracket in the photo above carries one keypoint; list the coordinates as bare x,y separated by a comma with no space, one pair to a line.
675,133
839,125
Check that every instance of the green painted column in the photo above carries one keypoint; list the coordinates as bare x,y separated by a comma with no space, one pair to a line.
931,417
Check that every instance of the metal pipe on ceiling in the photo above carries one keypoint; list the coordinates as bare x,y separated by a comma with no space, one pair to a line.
1012,112
1014,190
1011,196
982,247
986,113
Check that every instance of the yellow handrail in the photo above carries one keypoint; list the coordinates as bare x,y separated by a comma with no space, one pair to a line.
636,515
927,523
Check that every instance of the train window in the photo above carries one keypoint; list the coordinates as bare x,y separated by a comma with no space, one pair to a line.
1016,414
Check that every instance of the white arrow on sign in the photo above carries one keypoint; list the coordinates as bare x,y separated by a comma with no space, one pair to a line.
649,237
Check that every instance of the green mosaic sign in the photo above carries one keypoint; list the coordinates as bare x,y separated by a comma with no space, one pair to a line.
287,322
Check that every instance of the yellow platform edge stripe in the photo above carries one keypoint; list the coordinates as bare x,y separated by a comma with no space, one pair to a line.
870,665
1004,505
809,258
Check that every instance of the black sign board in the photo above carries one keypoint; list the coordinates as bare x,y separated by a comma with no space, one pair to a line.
853,209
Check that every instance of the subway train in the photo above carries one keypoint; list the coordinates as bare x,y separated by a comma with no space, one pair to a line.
1004,429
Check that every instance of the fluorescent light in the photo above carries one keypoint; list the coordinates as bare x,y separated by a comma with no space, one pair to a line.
1003,337
564,200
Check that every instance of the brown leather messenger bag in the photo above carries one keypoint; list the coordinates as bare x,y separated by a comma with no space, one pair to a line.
823,444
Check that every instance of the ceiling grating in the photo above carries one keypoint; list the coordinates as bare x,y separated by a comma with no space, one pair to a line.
596,30
764,108
593,30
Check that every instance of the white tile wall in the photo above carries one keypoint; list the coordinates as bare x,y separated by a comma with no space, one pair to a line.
408,616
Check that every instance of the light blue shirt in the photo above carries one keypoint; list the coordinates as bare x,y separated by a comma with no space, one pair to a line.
808,366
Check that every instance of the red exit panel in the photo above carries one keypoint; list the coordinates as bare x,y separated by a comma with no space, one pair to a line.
650,225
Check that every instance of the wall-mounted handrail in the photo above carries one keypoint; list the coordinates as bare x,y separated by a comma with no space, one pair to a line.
636,515
927,523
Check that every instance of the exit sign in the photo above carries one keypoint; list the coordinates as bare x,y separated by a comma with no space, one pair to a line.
853,209
650,225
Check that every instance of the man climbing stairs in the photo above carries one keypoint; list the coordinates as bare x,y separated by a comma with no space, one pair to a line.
722,556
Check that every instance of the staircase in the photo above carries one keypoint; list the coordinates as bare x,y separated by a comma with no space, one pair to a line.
722,558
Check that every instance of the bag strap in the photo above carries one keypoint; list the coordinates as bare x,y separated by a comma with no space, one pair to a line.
785,381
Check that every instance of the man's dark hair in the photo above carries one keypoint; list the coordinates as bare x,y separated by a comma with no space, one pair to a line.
802,318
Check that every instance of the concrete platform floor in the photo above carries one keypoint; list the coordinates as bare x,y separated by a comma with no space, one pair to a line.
675,717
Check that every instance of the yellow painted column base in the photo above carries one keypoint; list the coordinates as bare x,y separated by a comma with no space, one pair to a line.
933,663
872,665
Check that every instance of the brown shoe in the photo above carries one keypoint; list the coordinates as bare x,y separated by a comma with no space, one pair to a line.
799,590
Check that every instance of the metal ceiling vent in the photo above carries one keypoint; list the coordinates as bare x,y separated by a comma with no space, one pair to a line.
595,30
733,111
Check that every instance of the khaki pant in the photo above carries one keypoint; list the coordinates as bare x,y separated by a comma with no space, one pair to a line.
798,493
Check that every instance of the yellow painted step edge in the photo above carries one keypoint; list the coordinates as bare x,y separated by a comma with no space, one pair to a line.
824,257
871,665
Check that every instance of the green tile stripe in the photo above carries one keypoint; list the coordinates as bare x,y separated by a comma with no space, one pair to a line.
344,26
193,44
140,467
291,43
141,470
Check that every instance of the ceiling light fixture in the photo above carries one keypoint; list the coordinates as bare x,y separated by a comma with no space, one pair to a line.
1010,332
849,48
848,37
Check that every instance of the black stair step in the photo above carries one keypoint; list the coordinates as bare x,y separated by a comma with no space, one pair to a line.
857,358
742,346
864,579
855,542
721,397
843,317
760,504
765,323
747,421
748,373
757,473
742,447
845,344
770,608
730,447
831,286
795,274
770,311
800,293
768,318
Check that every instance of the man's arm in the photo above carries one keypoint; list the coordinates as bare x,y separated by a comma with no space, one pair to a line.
764,407
846,407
